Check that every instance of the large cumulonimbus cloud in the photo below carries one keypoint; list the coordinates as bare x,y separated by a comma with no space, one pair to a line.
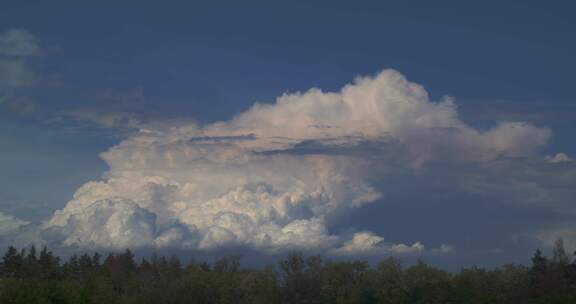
278,176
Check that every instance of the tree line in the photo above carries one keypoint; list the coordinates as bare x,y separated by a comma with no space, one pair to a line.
28,276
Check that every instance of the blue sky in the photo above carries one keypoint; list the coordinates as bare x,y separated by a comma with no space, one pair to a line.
102,70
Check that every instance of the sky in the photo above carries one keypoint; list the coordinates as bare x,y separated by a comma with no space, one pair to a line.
439,130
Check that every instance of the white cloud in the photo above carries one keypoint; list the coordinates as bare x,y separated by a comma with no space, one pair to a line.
16,46
559,158
403,249
19,43
277,176
362,243
110,223
367,243
10,224
385,106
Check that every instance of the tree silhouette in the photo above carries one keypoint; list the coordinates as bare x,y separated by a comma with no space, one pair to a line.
27,276
12,263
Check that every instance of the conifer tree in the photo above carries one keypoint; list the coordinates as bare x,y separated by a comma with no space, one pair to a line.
12,263
48,264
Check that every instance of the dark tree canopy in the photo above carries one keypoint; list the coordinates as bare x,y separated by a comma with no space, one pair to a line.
28,276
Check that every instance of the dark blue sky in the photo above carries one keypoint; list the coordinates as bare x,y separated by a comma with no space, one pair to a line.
500,60
234,53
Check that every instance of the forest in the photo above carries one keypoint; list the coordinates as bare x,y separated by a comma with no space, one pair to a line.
39,276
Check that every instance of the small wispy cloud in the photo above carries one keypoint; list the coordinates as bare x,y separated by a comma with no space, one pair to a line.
19,43
10,224
559,158
16,47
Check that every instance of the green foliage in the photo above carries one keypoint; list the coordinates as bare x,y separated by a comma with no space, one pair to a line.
27,276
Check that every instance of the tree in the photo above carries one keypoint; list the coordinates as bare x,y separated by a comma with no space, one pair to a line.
427,283
85,264
345,282
30,263
71,268
541,281
390,281
12,263
296,280
48,264
174,267
96,257
559,256
228,264
539,261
